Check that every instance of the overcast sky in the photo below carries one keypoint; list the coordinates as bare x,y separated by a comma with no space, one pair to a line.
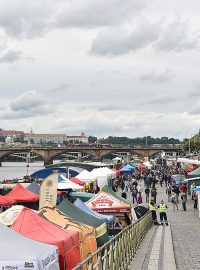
105,67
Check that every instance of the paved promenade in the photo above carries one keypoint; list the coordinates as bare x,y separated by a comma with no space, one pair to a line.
174,247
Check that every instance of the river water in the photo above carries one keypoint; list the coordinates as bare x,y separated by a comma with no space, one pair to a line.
11,170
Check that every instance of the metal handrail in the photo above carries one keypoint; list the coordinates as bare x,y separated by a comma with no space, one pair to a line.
118,252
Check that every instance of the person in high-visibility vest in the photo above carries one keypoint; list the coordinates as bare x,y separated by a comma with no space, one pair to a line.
153,208
163,216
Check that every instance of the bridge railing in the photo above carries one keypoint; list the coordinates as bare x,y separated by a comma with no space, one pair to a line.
118,252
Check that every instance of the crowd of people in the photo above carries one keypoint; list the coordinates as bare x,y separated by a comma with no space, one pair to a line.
142,186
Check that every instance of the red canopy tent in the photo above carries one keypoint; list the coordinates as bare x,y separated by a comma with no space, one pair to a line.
6,201
116,171
77,181
104,202
37,228
20,194
141,166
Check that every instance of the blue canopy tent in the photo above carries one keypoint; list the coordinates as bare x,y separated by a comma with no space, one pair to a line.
130,167
34,187
43,173
196,189
125,170
85,208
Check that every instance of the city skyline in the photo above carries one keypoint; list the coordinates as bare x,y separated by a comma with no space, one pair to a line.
109,67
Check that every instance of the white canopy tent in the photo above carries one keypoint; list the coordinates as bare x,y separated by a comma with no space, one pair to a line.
64,183
86,176
19,252
189,161
102,178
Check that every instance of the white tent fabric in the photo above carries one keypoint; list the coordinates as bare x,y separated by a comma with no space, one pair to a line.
147,164
9,216
19,252
187,160
65,183
86,176
102,178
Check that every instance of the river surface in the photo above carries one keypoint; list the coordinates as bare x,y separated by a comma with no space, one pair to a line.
11,170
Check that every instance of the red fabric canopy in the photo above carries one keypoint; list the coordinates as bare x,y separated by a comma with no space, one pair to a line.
20,194
116,171
77,181
141,166
4,201
37,228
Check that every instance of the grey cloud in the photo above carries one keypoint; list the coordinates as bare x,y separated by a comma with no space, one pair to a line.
176,37
87,13
195,93
29,100
117,41
61,87
24,20
165,76
108,108
11,56
195,110
162,99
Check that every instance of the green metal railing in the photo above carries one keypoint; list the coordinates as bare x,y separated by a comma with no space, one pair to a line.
117,253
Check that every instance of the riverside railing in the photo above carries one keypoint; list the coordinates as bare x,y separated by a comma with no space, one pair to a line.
118,252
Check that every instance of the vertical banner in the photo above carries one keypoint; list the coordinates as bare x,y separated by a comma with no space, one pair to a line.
48,190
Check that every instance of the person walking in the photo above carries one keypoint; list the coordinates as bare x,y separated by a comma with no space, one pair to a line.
153,194
163,216
184,200
152,208
174,201
134,194
147,191
195,198
169,192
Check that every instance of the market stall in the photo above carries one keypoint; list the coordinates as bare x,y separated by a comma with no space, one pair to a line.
19,252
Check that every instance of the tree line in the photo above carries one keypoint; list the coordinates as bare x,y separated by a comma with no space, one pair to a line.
138,141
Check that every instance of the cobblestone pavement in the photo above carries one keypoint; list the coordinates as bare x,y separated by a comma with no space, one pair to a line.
185,229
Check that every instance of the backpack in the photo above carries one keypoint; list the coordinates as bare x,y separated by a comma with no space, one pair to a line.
173,198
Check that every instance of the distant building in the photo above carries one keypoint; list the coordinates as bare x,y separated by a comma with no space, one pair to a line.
37,138
55,138
77,138
15,133
45,138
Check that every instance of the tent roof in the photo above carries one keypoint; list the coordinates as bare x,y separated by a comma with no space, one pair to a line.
129,166
73,211
105,218
17,248
110,191
9,216
33,226
195,172
34,187
20,194
85,175
104,202
84,196
77,181
43,173
64,183
6,201
66,222
124,169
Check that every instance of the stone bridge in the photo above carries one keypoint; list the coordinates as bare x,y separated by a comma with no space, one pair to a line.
50,153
